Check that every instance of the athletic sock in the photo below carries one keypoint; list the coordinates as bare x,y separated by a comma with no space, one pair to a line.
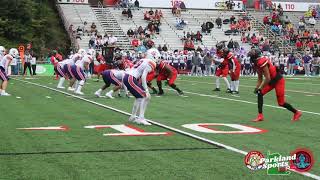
260,102
289,107
99,91
218,83
237,83
61,81
227,82
232,85
173,86
136,106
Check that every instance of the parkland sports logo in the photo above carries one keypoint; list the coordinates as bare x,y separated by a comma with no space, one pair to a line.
254,160
299,160
304,160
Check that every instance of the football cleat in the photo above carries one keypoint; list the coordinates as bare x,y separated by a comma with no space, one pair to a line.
60,87
79,92
142,121
296,116
97,94
71,89
132,119
160,93
5,94
228,90
216,89
180,93
235,92
109,96
258,118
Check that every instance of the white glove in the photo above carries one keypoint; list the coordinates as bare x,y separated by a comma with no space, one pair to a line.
148,96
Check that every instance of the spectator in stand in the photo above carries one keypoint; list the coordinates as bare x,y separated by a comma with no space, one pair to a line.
198,37
219,22
130,33
244,5
199,49
151,12
159,48
254,40
92,41
93,28
165,48
299,45
312,21
188,45
129,13
307,59
136,4
233,28
230,44
99,42
112,40
261,3
301,26
147,16
85,28
291,64
71,30
232,19
266,20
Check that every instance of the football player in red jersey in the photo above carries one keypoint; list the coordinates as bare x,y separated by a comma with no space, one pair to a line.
223,69
235,69
169,73
272,80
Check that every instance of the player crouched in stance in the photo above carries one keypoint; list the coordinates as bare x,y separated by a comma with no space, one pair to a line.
169,73
77,71
272,80
4,64
112,77
223,69
140,90
235,69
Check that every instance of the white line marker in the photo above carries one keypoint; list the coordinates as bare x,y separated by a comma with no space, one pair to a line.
18,97
243,101
304,92
165,126
309,95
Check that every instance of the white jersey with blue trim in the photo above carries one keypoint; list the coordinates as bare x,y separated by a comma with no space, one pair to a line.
66,61
141,66
5,60
86,59
76,57
247,60
118,74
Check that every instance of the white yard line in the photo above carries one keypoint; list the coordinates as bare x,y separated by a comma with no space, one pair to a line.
304,92
163,125
242,101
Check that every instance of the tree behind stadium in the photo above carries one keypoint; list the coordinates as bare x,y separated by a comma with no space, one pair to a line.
36,21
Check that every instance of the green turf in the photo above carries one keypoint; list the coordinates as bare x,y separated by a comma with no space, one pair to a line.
87,154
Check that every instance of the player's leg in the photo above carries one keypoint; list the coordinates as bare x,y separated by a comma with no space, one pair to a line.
172,85
81,79
154,90
280,92
62,75
4,84
260,95
159,84
227,84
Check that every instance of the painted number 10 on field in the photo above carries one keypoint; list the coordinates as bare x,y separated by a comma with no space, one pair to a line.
130,130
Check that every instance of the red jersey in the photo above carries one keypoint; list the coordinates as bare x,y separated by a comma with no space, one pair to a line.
126,64
264,61
162,68
54,61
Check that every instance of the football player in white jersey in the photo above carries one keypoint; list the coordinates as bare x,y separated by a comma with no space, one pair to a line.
140,90
112,77
2,52
77,71
282,63
4,64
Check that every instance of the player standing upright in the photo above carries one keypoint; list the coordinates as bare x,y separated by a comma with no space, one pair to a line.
223,69
272,80
235,69
4,64
140,90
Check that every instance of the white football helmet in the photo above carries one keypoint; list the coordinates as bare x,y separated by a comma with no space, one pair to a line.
82,52
153,54
13,52
2,50
92,52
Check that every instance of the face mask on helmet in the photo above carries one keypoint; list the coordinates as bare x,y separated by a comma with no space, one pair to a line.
254,54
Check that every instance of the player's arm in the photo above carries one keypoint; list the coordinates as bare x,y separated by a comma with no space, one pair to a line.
7,65
144,78
266,80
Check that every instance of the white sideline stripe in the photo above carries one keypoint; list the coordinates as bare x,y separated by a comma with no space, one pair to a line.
163,126
304,92
238,100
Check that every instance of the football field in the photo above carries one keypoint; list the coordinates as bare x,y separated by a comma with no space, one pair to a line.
91,138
